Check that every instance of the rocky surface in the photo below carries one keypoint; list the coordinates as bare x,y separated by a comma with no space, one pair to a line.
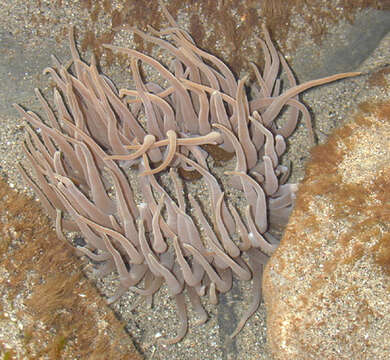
48,309
326,288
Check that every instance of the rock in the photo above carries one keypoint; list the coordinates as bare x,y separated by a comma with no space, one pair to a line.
326,288
346,47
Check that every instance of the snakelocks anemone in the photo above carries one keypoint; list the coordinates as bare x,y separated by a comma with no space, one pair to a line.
109,164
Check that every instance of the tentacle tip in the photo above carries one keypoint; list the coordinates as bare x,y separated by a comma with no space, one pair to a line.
201,321
109,46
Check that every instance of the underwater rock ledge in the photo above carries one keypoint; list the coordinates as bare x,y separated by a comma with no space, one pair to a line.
326,287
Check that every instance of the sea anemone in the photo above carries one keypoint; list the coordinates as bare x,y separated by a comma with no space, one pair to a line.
107,163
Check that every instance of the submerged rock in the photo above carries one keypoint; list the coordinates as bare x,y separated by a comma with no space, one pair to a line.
326,288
